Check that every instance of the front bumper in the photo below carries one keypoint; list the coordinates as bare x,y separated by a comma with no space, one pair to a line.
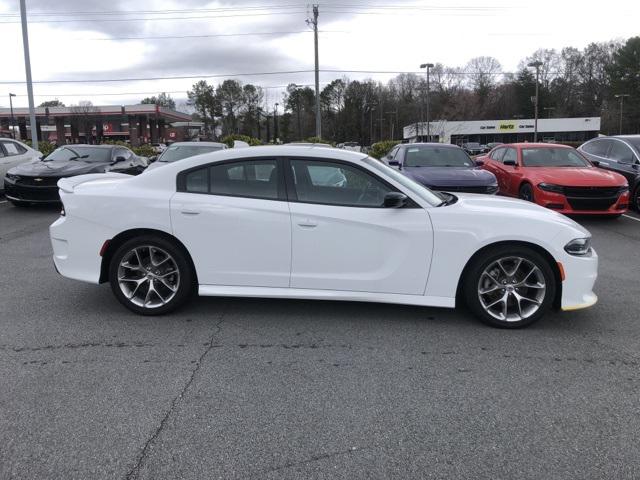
580,276
30,193
614,205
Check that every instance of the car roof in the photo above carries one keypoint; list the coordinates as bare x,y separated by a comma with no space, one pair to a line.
536,145
199,144
85,145
429,144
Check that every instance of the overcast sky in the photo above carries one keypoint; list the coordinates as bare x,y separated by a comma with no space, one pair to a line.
356,35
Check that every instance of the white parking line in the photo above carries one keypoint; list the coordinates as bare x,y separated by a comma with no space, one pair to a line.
632,218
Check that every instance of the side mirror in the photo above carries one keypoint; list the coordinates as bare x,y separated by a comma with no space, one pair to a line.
119,159
394,163
153,159
595,163
509,162
395,200
479,162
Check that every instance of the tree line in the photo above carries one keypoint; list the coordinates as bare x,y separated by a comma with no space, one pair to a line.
572,83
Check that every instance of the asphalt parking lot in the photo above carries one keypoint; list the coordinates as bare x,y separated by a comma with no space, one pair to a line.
235,388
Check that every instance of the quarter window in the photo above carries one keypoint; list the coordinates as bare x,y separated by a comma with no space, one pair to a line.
337,184
197,181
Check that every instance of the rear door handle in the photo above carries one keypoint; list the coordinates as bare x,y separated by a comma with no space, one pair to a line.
190,212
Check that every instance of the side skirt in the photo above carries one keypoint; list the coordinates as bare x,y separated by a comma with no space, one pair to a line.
307,294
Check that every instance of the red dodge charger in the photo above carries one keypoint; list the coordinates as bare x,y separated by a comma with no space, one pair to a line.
557,177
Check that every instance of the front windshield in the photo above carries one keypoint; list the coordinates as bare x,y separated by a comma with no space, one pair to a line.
423,192
552,157
178,152
436,157
86,154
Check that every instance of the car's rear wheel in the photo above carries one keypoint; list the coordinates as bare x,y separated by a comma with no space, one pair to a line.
150,275
509,287
526,192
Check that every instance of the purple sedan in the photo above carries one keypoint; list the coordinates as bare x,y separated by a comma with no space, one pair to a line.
441,167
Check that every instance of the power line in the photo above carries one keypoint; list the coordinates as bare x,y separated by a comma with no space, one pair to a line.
156,12
199,17
257,74
209,35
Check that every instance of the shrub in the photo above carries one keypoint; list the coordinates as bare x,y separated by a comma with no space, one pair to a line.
144,150
243,138
44,147
380,149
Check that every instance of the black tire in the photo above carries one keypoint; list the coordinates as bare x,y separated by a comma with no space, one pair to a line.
526,192
472,279
186,284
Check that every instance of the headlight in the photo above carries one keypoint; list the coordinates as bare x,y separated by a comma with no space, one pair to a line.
550,187
578,246
12,177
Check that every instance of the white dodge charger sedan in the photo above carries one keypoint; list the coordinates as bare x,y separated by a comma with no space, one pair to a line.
271,222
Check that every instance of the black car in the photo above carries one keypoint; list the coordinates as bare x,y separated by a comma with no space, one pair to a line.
620,154
442,167
473,148
36,182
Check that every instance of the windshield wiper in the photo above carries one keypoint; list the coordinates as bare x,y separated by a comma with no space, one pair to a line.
447,201
77,157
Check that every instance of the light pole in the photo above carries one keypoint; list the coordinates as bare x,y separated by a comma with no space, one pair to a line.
428,66
621,97
13,132
275,123
537,64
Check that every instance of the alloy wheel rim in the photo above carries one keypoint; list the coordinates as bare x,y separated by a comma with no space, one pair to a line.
148,276
511,289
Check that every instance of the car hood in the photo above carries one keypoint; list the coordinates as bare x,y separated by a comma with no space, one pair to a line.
58,168
513,207
577,177
450,176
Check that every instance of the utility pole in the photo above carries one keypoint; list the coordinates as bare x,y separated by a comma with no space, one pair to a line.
428,66
275,124
537,64
314,24
13,132
621,97
27,67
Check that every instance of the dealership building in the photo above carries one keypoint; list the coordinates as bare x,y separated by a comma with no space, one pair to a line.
504,131
92,124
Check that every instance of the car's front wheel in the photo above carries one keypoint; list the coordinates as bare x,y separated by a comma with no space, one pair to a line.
526,192
509,287
150,275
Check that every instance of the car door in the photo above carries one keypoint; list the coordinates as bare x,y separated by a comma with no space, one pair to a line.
622,160
234,220
504,172
492,159
344,239
11,155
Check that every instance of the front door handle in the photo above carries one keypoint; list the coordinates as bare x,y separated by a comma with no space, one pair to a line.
307,224
190,212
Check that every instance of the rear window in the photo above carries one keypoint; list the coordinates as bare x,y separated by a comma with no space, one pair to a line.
178,152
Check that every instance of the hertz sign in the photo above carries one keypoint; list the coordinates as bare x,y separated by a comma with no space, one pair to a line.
507,126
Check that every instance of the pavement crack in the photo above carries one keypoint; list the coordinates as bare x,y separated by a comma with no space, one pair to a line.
133,473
